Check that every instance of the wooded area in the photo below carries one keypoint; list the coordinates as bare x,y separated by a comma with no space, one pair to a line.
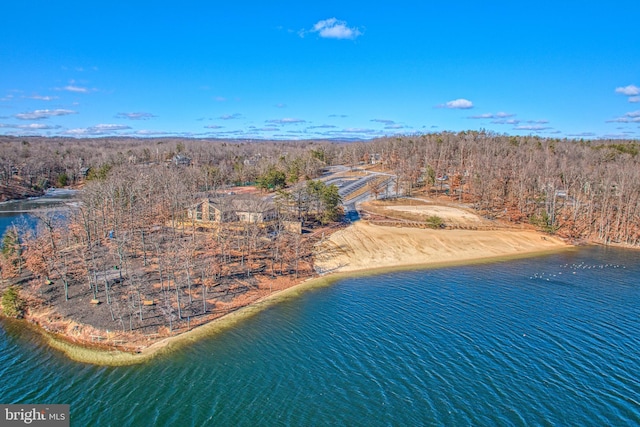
129,258
579,189
131,247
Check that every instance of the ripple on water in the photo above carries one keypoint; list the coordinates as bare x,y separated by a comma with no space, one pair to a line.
494,344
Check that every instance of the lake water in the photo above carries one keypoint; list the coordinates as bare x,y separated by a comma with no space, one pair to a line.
13,211
550,340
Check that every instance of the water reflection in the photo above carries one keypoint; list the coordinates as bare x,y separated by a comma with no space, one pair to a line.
16,211
54,197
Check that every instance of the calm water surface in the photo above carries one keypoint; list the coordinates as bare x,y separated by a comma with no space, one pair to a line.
14,212
546,341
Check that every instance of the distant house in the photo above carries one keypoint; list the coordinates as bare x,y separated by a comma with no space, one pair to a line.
181,160
227,209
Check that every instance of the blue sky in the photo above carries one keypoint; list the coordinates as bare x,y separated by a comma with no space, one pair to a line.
334,69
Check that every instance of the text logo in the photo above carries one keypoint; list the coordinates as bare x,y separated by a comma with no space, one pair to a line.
34,415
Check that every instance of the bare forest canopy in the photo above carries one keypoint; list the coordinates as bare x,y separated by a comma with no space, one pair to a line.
583,189
131,244
131,247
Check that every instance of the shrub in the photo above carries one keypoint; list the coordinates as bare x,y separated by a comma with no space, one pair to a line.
543,221
63,180
12,304
99,174
434,221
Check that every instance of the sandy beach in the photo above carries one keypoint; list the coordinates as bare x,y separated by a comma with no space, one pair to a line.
364,246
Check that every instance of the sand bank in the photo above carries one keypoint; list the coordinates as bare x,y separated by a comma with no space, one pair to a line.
364,246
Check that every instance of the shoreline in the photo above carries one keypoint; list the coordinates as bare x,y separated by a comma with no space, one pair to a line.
102,357
106,357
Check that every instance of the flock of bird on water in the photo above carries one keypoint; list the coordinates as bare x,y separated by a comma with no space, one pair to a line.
575,267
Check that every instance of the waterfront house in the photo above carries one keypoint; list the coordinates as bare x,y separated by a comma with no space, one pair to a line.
225,209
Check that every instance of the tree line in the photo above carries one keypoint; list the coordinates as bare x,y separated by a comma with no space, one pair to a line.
39,163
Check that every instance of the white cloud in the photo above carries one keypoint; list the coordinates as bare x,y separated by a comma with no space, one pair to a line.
286,121
73,87
534,128
360,130
30,129
333,28
502,121
213,127
42,98
625,120
231,116
461,103
500,115
77,89
110,127
351,133
146,132
322,127
43,114
506,122
541,122
78,132
615,136
231,132
631,90
101,129
630,117
135,116
483,116
38,126
634,99
582,134
220,99
383,121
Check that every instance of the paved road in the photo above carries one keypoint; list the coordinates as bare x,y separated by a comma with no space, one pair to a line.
350,185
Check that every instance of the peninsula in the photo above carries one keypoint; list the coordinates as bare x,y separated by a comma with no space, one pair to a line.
179,238
362,248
